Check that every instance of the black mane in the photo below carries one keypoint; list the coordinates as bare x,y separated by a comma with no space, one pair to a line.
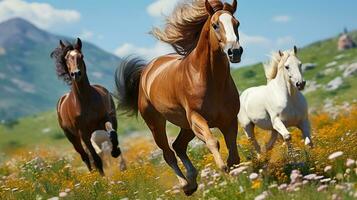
58,55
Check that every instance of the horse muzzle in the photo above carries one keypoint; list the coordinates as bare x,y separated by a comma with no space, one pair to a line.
235,54
76,75
301,85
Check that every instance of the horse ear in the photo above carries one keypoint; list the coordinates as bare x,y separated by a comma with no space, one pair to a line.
295,49
281,53
61,44
234,6
78,44
209,8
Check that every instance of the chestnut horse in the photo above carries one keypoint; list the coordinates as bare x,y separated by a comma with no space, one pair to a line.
192,89
85,108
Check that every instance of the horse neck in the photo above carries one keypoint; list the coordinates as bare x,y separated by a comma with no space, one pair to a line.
209,60
284,84
81,89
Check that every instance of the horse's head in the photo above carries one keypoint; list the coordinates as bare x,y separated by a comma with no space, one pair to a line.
74,60
225,26
292,67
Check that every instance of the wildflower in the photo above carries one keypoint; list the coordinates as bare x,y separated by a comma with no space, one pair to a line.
336,197
350,162
262,196
348,170
216,175
237,171
335,155
310,176
328,168
340,187
283,186
318,177
175,191
253,176
67,190
321,188
325,180
63,194
339,176
210,183
53,198
241,189
256,184
223,183
205,172
273,186
295,176
15,189
201,186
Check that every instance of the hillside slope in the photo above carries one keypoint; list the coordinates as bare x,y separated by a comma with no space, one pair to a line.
28,82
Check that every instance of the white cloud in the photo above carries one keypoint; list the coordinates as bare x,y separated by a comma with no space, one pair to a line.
161,7
158,49
286,40
246,39
41,14
282,18
86,34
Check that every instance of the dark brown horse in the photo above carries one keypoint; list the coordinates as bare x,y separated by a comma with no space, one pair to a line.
85,108
194,90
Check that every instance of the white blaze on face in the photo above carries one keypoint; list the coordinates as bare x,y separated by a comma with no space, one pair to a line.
226,20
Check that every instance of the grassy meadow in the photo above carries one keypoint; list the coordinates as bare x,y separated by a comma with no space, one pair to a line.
55,170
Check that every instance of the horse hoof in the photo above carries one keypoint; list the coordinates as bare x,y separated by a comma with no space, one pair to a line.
287,137
190,189
116,152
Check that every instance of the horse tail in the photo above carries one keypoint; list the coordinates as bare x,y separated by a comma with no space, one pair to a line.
127,78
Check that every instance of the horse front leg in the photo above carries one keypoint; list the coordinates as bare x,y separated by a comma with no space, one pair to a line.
113,138
305,128
230,137
201,129
279,126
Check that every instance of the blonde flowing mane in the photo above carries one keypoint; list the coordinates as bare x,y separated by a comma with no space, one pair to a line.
183,27
271,68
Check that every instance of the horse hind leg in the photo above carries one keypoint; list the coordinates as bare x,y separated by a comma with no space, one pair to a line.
157,125
77,144
180,147
249,131
271,142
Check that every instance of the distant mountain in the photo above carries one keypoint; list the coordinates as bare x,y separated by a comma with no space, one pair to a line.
28,82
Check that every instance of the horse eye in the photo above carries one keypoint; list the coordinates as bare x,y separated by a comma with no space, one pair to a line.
215,26
287,67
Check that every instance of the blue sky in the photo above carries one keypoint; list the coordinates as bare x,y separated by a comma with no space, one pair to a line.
122,27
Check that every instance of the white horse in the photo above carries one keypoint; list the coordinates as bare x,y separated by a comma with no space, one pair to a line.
101,142
279,104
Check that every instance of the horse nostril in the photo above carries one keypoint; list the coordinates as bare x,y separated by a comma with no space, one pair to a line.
304,82
79,73
230,52
72,74
297,84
